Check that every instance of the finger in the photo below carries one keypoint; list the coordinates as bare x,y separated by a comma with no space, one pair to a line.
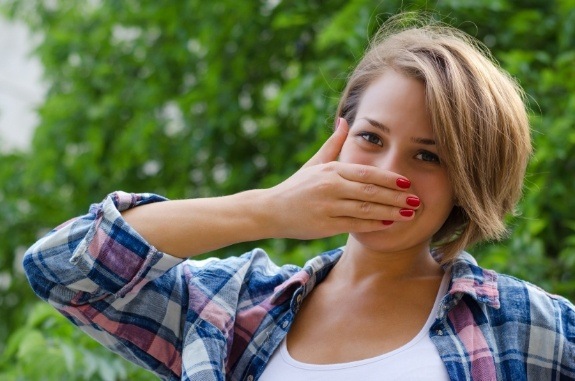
366,210
330,150
372,175
366,192
358,225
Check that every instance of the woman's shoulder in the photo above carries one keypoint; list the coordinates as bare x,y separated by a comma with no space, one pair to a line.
256,260
512,298
540,303
260,262
254,270
524,302
257,272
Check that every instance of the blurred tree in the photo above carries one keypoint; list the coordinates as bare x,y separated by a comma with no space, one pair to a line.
196,98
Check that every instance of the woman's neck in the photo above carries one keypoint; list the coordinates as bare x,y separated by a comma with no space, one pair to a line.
360,263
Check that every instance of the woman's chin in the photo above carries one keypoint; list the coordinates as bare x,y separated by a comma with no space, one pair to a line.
385,241
391,240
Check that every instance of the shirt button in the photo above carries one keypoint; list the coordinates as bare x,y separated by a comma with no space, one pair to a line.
285,324
299,298
439,332
250,378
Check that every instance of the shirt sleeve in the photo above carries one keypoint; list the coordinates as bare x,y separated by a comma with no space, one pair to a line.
92,267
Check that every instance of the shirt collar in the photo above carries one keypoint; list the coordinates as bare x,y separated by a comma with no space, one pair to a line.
313,272
467,278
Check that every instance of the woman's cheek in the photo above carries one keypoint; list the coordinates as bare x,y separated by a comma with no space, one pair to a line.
434,193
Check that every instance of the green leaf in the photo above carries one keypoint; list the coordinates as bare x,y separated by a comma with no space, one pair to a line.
31,344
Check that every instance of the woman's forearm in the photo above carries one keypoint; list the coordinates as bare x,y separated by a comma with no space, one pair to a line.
185,228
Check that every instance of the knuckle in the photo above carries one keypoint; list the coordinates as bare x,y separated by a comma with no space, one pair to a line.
387,178
362,172
329,167
399,198
325,178
369,189
365,207
325,184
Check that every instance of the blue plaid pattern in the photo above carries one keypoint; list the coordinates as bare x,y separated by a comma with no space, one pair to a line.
223,319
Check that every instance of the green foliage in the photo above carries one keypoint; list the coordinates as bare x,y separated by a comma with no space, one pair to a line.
48,347
195,98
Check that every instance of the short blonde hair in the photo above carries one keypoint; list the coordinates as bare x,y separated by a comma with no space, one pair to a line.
478,117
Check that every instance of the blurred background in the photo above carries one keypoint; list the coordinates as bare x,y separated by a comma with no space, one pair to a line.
198,98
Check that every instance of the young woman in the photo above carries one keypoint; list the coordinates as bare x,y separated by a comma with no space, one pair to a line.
428,156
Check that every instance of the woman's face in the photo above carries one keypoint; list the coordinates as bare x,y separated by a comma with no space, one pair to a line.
392,130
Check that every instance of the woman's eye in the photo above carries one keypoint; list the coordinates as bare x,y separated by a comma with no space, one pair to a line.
371,138
428,156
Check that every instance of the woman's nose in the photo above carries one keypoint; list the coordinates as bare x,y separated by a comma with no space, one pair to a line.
391,160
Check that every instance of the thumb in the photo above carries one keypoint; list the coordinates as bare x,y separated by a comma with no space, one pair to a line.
330,150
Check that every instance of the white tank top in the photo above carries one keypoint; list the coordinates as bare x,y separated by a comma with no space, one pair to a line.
416,360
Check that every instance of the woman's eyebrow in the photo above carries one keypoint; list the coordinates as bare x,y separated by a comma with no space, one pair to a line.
385,129
424,141
376,124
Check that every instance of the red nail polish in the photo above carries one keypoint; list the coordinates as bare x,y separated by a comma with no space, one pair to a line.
403,183
413,201
387,222
406,212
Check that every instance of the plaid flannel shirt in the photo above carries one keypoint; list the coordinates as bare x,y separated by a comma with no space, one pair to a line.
223,319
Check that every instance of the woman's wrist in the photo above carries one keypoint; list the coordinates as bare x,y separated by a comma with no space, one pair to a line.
258,215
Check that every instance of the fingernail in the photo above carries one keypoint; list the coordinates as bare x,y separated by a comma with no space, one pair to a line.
386,222
403,183
413,201
337,123
406,212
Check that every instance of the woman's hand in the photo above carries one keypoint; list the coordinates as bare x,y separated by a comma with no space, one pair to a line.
326,197
322,199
